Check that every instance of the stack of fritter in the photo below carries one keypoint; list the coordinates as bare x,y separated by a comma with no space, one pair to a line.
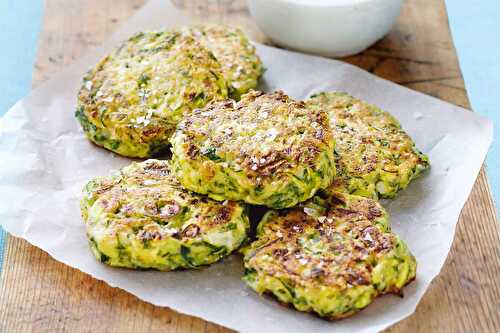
319,165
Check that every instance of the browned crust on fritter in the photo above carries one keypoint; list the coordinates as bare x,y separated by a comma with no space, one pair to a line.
394,291
365,239
294,145
160,204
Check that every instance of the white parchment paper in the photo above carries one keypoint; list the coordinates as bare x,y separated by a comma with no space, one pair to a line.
45,160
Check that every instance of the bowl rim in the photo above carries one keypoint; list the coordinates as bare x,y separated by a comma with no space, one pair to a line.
325,3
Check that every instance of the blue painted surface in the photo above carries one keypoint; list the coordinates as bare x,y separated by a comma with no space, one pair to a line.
20,23
476,29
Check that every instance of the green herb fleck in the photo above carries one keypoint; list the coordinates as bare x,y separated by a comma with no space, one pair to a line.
211,153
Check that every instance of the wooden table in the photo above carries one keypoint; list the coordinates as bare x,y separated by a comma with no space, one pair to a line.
39,294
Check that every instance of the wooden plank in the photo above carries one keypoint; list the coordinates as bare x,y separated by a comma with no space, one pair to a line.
39,294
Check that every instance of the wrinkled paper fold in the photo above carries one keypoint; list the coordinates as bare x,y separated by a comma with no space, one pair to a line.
45,161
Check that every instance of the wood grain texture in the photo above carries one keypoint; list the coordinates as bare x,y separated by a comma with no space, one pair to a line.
38,294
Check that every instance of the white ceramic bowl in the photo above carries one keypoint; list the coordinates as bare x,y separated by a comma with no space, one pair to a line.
333,28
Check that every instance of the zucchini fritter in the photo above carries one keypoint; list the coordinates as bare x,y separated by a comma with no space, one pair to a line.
332,259
266,149
142,218
131,101
374,156
241,66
